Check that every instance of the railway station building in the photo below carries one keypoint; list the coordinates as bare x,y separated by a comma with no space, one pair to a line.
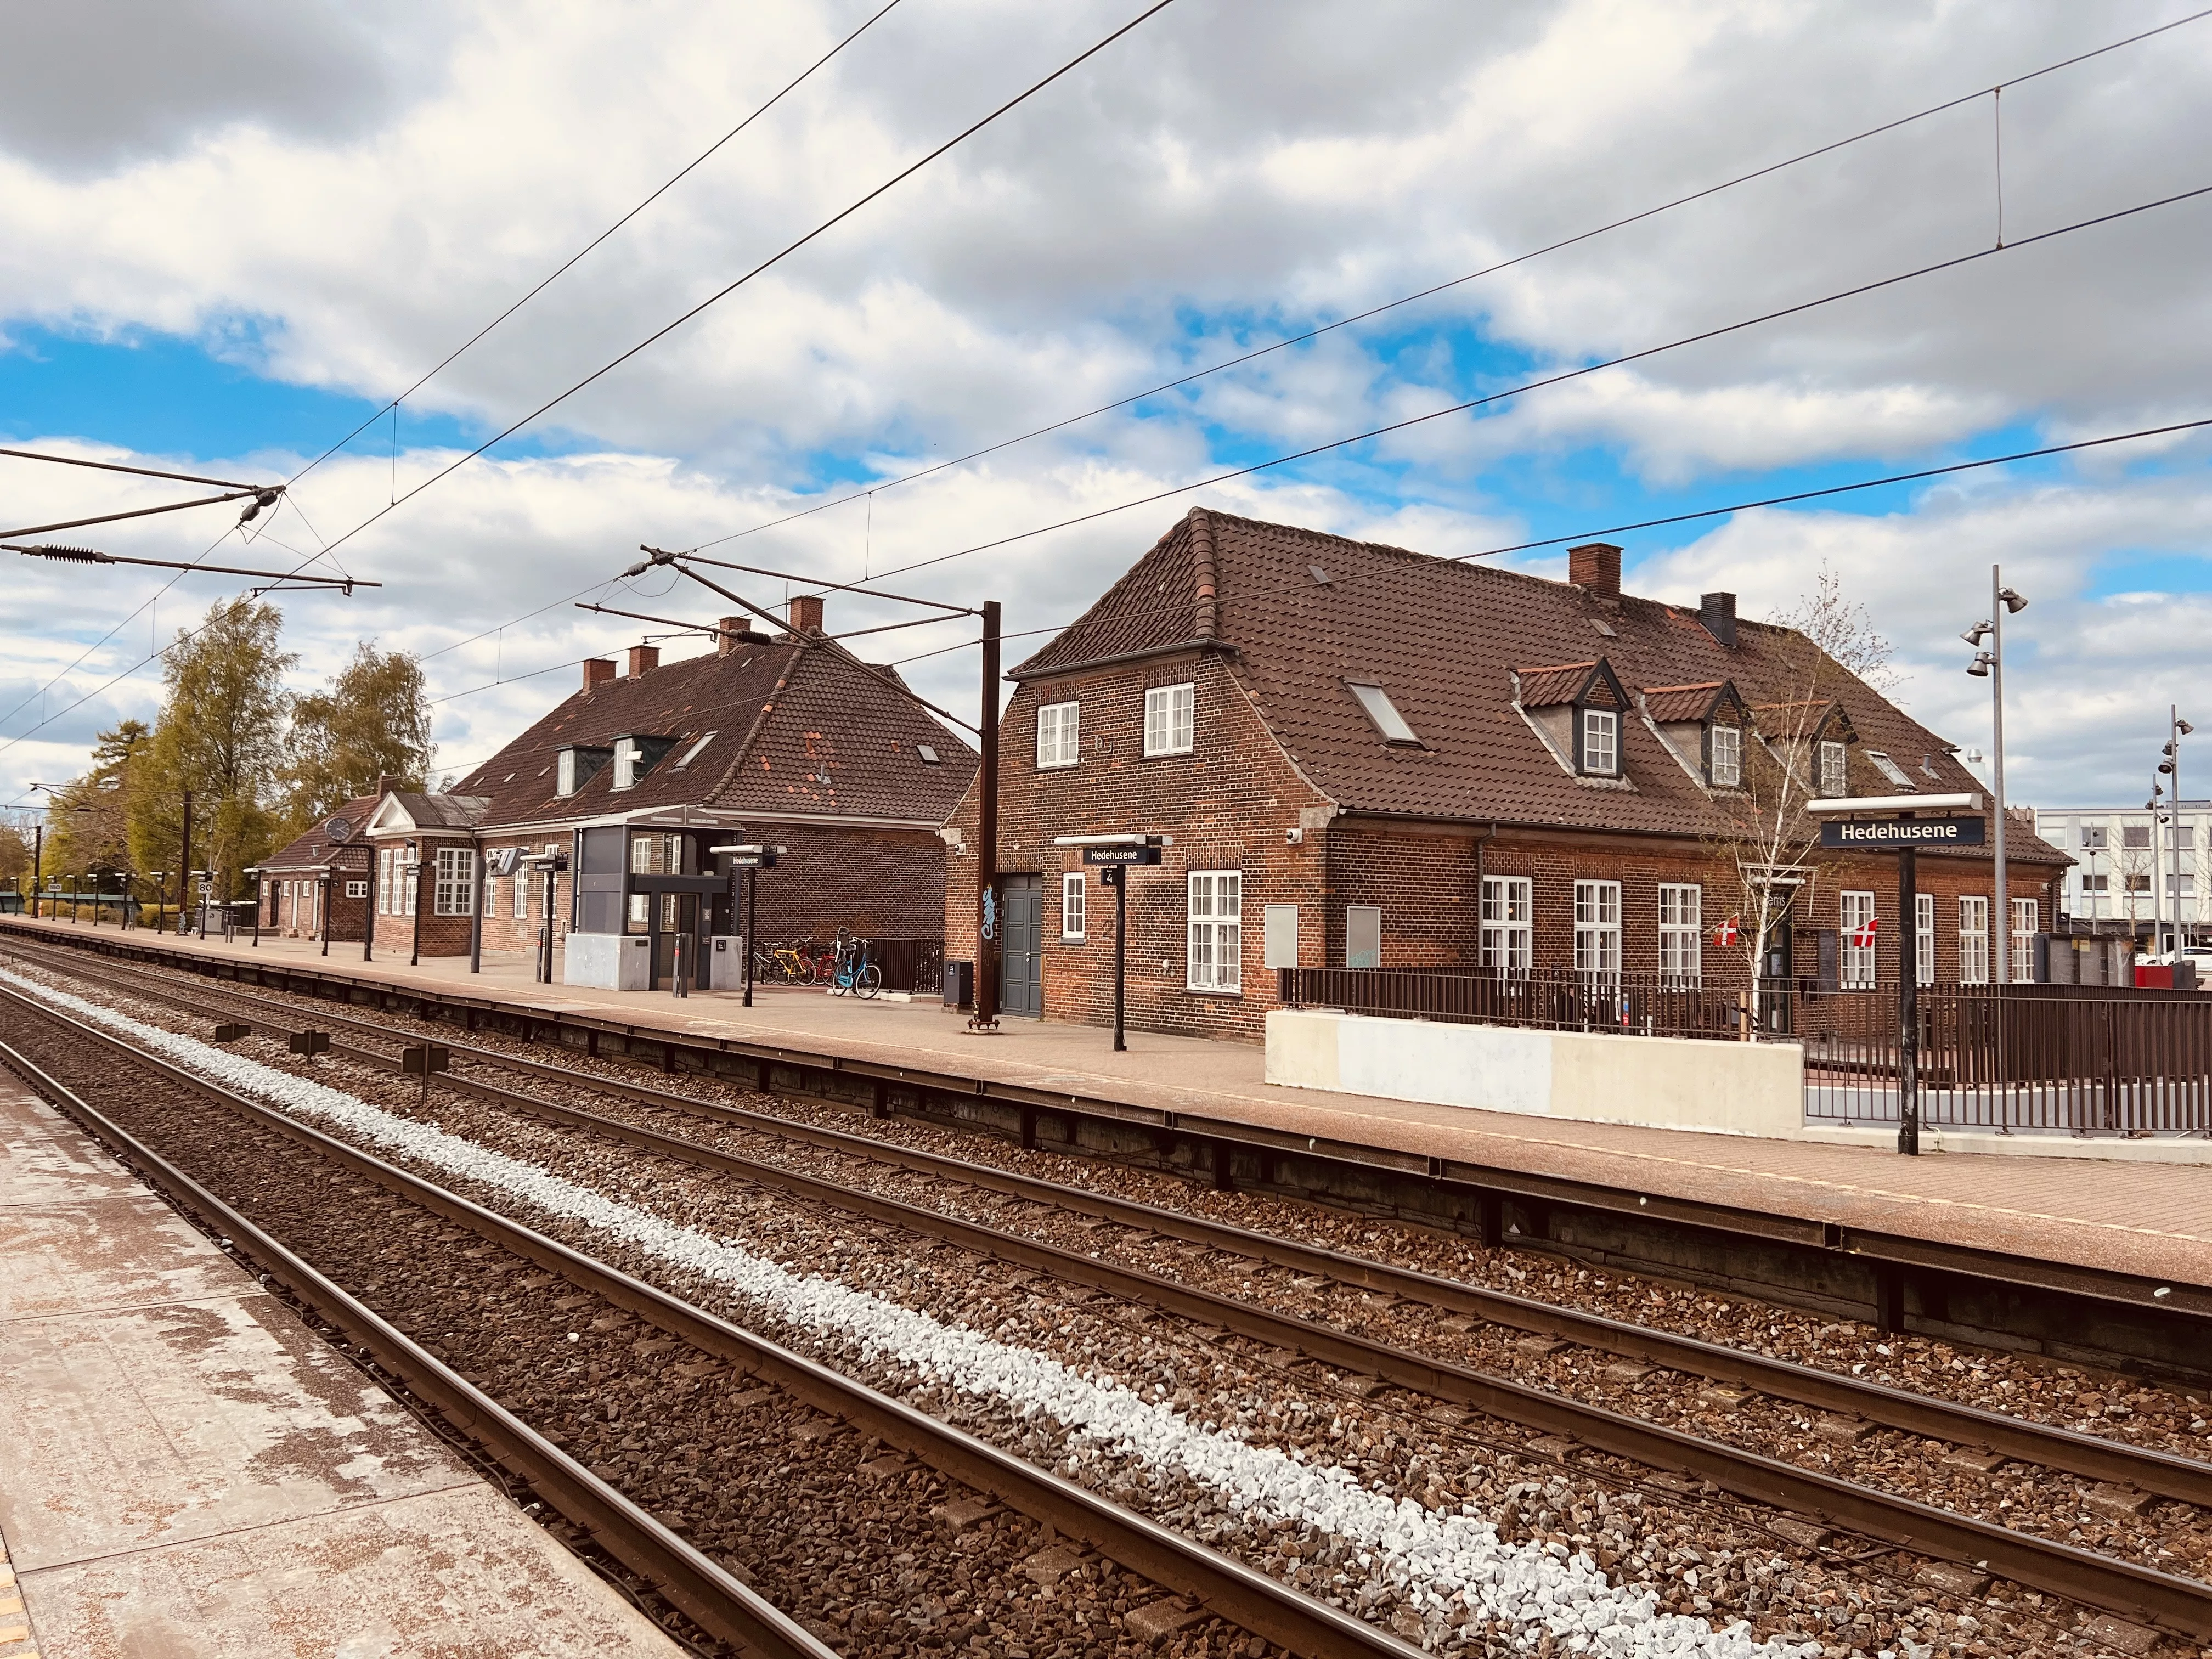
1367,757
779,738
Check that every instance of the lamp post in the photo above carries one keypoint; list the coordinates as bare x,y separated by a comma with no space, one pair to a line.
158,877
414,868
254,871
1989,665
2176,729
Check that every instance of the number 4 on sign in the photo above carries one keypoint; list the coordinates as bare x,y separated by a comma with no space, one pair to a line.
1863,935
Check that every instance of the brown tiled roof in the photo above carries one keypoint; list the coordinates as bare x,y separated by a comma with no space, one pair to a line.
1444,637
312,851
440,811
788,727
1542,688
1680,702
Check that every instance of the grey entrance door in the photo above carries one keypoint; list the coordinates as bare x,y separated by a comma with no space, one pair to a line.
676,917
1021,946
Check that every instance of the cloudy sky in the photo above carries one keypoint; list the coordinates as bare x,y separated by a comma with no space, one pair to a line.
231,233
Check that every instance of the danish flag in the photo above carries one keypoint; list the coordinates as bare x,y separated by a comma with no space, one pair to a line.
1725,935
1863,935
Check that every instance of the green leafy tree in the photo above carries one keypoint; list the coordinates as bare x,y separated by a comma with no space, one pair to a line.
220,735
89,823
371,721
14,857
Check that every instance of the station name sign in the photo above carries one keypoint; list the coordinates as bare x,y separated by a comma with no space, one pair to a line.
1874,834
752,860
1121,855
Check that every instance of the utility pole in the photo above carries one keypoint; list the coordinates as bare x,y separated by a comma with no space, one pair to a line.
2003,918
988,922
476,911
38,864
185,869
376,897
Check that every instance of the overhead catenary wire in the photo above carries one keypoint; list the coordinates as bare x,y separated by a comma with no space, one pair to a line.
1684,199
573,259
1564,375
1917,476
1492,270
774,259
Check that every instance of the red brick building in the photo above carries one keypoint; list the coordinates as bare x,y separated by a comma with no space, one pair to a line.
785,739
325,869
1367,757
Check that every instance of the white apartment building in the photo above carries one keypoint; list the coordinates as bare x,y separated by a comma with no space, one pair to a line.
2124,861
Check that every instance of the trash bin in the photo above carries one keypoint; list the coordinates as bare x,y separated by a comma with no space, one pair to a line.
959,984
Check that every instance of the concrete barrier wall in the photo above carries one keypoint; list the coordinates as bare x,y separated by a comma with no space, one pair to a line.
612,961
1726,1088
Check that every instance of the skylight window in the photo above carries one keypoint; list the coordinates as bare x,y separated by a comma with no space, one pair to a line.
692,753
1384,712
927,753
1320,575
1890,769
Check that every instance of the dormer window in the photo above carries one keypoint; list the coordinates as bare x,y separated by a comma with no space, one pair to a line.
636,757
578,766
1724,757
1835,776
1599,734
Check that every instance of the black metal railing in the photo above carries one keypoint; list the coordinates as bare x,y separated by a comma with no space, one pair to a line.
1547,999
911,965
2074,1058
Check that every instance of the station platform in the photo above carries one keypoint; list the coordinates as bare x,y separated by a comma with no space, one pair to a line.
186,1469
2153,1220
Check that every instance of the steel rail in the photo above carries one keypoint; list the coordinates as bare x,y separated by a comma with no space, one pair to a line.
1241,1594
2186,1306
2173,1602
2168,1474
709,1595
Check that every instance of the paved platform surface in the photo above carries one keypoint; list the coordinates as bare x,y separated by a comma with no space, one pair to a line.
187,1470
2153,1220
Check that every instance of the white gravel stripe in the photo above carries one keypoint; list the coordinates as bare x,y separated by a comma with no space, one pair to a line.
1439,1560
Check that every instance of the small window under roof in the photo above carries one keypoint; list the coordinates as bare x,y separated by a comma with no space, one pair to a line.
1384,712
1319,574
927,753
1890,769
692,753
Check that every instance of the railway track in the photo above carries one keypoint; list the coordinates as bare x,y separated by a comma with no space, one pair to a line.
2177,1604
1899,1284
1224,1587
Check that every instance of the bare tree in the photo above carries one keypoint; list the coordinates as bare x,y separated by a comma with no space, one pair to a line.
1825,648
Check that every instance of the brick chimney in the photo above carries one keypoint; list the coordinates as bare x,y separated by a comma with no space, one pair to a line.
727,632
643,659
1718,612
1595,567
598,671
806,614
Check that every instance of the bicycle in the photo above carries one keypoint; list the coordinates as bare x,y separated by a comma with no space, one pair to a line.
857,974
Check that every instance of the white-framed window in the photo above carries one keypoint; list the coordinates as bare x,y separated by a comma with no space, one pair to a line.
1923,933
385,891
628,753
1973,939
1057,744
1681,931
1597,928
356,890
455,877
410,886
1073,888
1507,932
1600,742
1835,775
522,874
1857,916
1380,710
1217,910
2027,923
1168,720
1726,768
1362,936
692,753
